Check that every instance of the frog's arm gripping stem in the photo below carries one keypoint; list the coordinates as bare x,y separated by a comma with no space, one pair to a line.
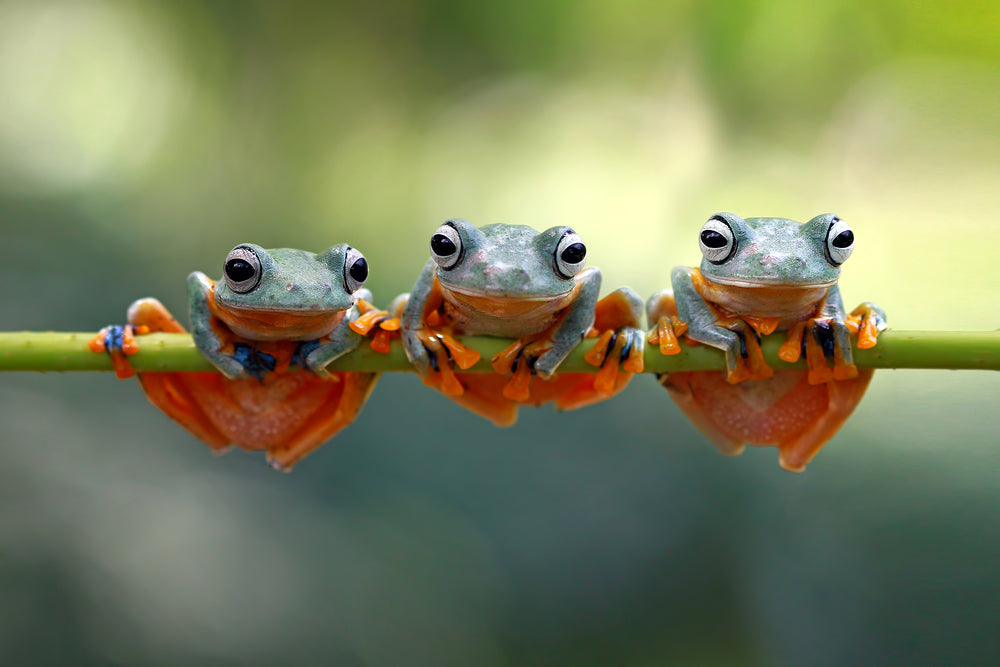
574,325
343,339
412,319
200,290
702,327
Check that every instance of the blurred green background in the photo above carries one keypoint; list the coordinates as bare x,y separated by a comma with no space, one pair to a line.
139,142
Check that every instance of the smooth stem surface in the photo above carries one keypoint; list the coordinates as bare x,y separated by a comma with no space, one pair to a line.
54,351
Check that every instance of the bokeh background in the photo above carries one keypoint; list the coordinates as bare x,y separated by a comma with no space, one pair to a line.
139,142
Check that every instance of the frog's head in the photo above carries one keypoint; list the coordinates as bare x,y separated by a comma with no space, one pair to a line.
288,293
759,252
506,264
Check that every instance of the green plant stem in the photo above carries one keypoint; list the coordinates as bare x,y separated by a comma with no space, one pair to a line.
68,351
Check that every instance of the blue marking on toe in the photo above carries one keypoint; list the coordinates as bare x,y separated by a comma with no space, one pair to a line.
114,338
823,333
304,349
257,363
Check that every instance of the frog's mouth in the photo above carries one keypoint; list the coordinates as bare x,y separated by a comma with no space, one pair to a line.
503,305
767,282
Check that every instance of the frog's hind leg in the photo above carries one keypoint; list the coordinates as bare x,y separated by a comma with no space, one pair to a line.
176,393
666,327
680,387
483,394
347,396
153,315
844,396
144,316
620,347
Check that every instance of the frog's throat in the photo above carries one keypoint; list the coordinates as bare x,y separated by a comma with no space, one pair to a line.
280,324
735,282
485,294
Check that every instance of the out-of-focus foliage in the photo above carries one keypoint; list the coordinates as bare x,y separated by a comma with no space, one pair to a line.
141,141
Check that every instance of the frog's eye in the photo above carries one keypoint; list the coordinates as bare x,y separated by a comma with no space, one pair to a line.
717,241
446,246
839,242
355,270
570,253
242,269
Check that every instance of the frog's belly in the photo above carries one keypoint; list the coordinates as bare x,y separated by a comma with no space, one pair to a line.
251,413
774,411
788,304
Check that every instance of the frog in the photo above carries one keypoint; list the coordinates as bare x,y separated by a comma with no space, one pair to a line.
512,281
270,327
758,276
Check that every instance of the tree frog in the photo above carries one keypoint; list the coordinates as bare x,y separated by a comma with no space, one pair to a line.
760,275
272,309
515,282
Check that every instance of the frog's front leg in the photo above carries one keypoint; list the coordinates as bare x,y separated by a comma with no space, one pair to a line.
342,339
540,354
430,350
573,326
211,340
739,343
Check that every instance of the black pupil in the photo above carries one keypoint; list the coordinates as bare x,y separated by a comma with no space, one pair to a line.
713,239
239,270
359,270
574,253
442,246
844,239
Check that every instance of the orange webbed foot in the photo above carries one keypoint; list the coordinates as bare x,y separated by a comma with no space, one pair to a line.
666,333
615,352
750,364
443,351
519,359
867,321
377,325
826,340
619,350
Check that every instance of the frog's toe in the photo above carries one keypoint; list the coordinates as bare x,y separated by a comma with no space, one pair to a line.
246,360
518,388
828,351
744,358
277,464
633,354
868,321
309,355
546,364
417,353
665,334
117,341
616,351
432,357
